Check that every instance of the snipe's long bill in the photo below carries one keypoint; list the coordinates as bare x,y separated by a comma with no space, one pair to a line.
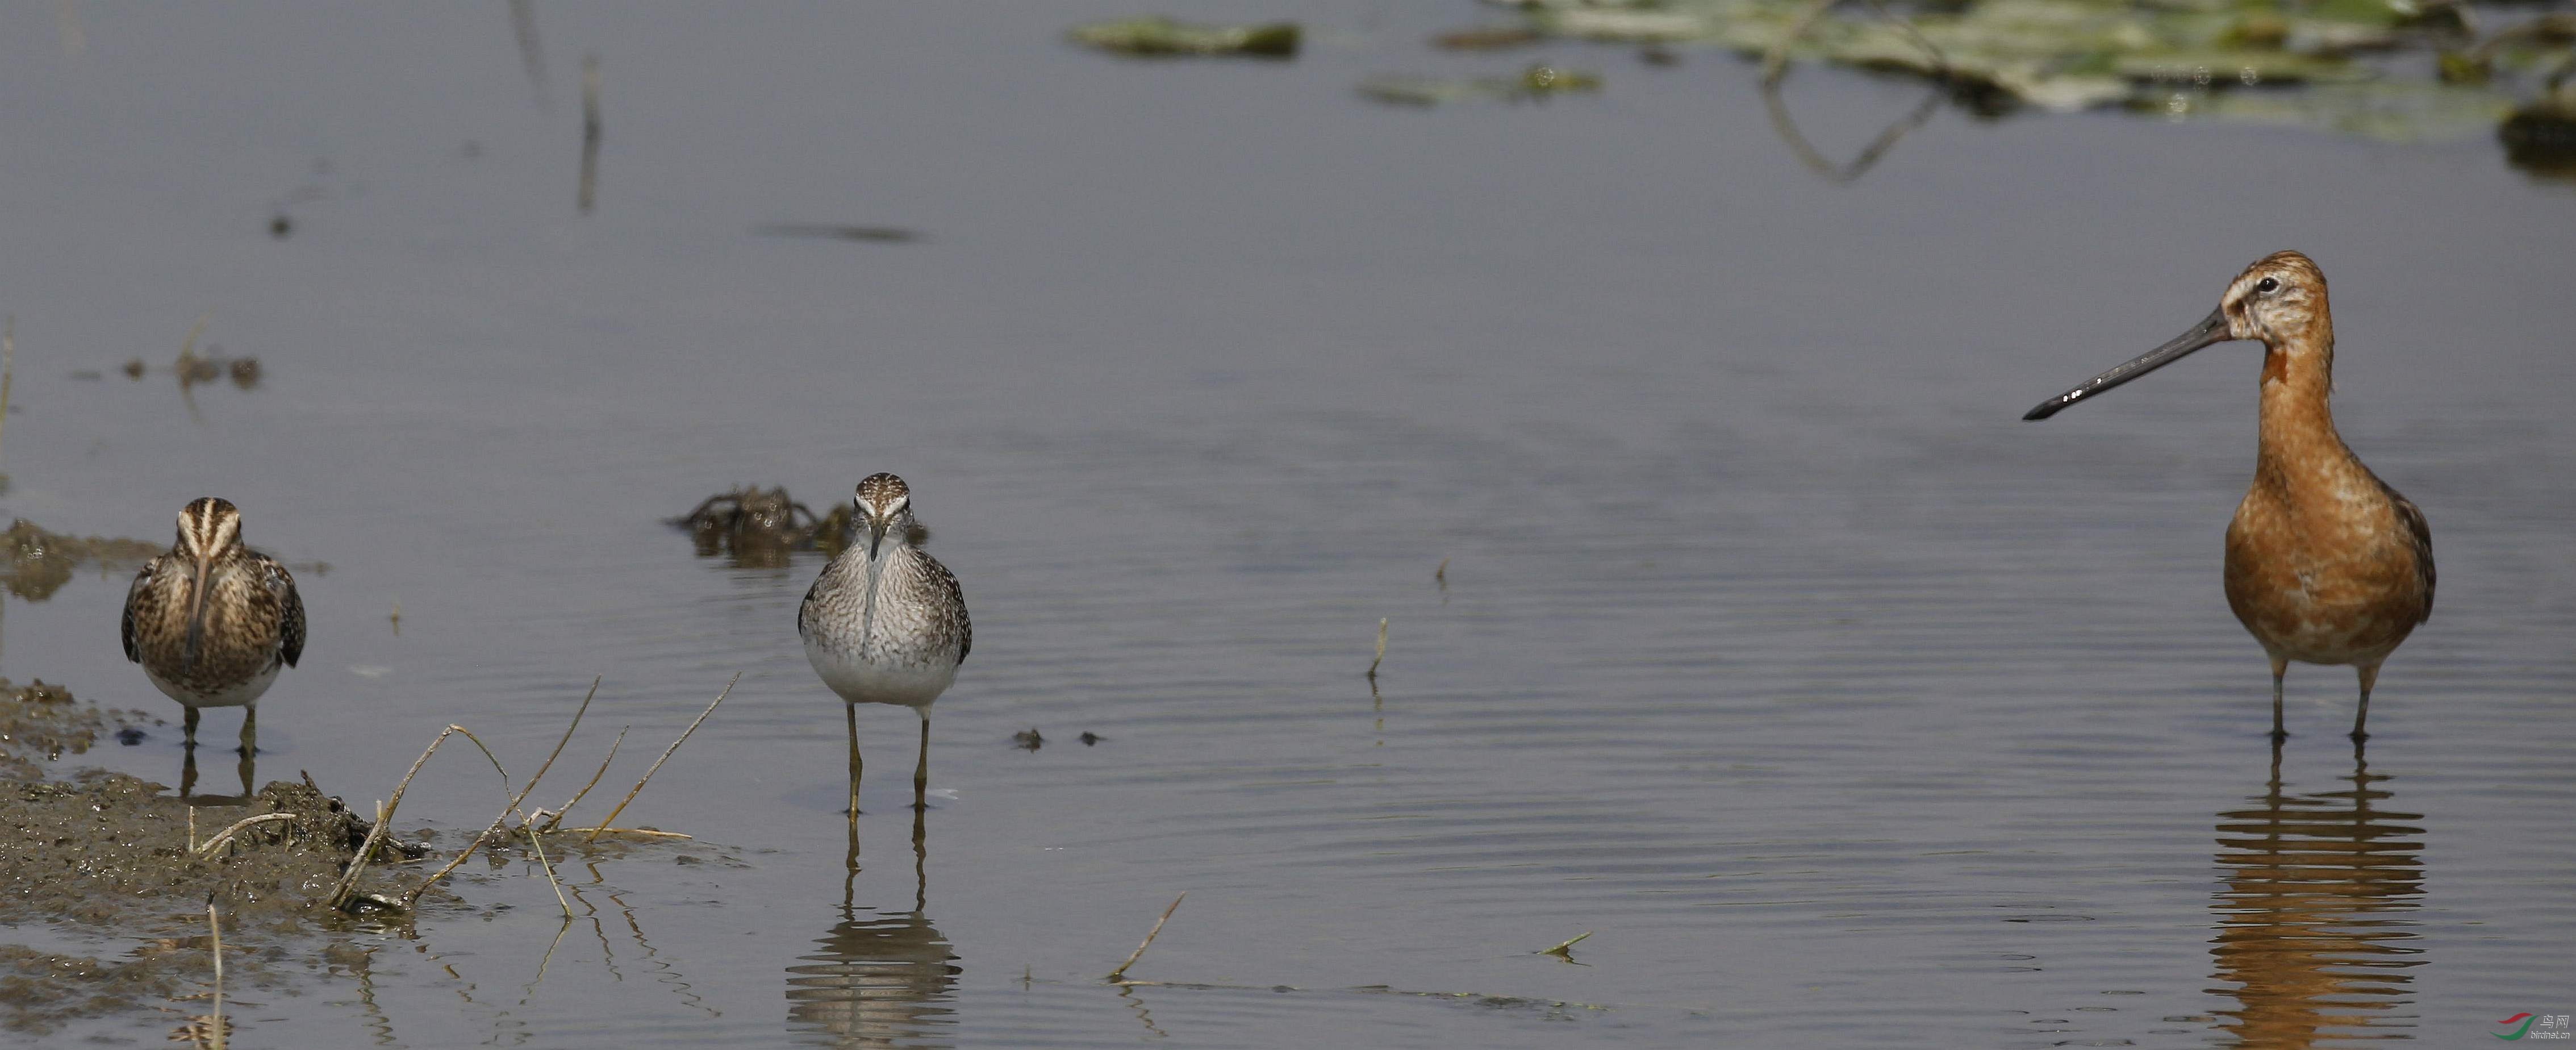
2326,564
212,621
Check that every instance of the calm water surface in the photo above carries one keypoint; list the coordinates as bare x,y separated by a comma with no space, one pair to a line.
1838,705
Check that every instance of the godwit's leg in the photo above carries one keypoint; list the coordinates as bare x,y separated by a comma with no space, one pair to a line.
2369,677
921,768
192,729
250,730
2280,666
852,710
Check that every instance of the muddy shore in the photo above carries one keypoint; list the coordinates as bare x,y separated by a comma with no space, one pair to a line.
90,854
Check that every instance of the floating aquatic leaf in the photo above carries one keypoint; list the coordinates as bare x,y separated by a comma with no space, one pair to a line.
1536,82
2316,63
1157,36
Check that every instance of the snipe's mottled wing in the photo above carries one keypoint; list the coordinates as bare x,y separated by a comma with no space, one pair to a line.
138,597
290,607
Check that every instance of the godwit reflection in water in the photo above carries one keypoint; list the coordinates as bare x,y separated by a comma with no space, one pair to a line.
2313,928
879,978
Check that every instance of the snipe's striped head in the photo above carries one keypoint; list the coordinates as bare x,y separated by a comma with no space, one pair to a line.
2281,300
208,527
884,504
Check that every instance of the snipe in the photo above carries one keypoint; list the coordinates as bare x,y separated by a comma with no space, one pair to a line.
212,621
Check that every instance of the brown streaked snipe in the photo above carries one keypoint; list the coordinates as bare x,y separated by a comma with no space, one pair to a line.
2325,563
886,623
211,621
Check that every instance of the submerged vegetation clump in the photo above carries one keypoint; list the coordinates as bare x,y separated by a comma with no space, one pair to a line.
760,527
39,562
1154,36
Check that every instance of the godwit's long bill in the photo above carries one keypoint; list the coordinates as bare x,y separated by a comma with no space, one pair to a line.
2325,563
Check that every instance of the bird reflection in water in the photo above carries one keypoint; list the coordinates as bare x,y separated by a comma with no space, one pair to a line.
879,978
2312,919
247,768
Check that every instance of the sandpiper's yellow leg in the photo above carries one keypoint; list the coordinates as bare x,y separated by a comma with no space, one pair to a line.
2369,677
921,768
852,710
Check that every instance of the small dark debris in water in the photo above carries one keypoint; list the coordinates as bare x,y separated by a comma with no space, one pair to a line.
245,372
363,903
1089,738
129,736
1486,38
1028,739
194,370
686,859
134,369
281,226
1154,36
827,231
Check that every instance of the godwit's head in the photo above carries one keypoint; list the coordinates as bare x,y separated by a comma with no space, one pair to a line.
208,527
2277,300
884,507
2280,300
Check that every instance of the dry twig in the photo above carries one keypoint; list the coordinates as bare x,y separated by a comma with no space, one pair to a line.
666,756
1119,975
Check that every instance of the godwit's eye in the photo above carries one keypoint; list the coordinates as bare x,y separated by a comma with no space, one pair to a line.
2267,285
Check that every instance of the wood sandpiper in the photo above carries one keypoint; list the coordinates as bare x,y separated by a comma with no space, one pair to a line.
885,623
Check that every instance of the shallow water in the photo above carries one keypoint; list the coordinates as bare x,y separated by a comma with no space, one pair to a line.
1840,706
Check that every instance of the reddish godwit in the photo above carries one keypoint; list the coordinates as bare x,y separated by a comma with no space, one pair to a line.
211,621
885,623
2325,563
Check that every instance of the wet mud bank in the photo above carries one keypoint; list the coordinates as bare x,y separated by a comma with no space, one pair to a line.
113,861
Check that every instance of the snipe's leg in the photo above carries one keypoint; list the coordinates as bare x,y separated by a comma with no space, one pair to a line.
921,768
2369,677
192,729
2280,667
250,731
852,710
